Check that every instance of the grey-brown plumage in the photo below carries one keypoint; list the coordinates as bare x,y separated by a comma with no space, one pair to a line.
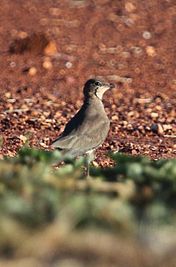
88,129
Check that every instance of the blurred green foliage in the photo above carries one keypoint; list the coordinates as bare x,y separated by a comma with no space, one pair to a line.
34,193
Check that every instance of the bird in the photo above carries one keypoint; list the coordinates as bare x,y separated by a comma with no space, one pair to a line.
88,129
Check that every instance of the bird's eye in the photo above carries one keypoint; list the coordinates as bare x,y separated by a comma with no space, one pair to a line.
97,83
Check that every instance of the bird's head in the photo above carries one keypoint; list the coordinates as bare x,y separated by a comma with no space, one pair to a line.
96,87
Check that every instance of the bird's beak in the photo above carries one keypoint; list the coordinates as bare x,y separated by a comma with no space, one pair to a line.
108,86
112,85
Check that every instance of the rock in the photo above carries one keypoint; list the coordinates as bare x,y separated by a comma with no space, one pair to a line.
22,35
130,7
115,117
167,127
8,95
68,64
95,163
43,145
130,114
160,129
32,71
134,152
154,115
50,49
146,35
150,50
23,138
157,128
47,64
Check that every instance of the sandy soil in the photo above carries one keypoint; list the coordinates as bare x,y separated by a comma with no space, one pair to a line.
61,44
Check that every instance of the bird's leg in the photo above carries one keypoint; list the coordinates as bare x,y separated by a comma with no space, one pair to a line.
88,160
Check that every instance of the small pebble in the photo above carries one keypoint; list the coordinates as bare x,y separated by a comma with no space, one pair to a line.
146,35
13,64
157,128
22,35
47,64
150,50
160,129
129,22
32,71
167,127
153,148
94,163
129,127
154,128
115,117
68,64
124,123
136,50
154,115
134,152
78,3
110,50
130,114
43,145
127,79
125,54
23,138
11,100
8,94
130,7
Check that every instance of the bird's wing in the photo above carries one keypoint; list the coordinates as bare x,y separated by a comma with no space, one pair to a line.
89,134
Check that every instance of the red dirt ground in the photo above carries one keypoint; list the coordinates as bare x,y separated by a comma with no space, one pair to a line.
130,43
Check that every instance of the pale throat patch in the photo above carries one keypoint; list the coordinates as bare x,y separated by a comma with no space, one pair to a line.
101,91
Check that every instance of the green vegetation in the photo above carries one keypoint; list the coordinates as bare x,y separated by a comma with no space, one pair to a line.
133,199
